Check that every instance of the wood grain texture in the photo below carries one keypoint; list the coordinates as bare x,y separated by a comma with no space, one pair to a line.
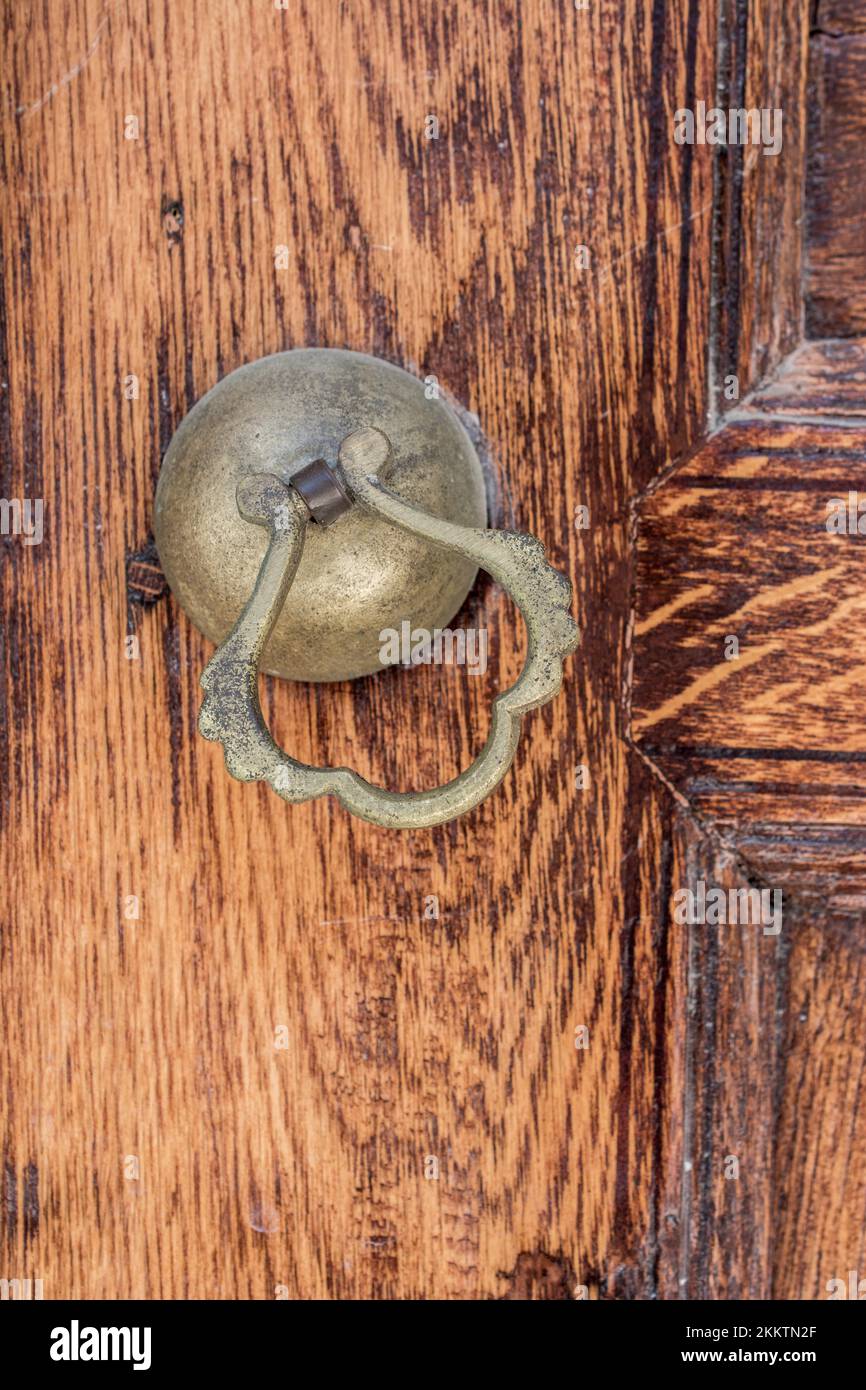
767,746
736,544
836,240
838,17
766,751
727,984
263,1169
758,264
821,1137
822,381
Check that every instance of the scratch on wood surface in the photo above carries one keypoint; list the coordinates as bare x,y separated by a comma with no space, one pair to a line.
659,236
67,78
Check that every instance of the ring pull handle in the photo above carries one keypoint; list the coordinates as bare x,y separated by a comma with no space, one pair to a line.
231,712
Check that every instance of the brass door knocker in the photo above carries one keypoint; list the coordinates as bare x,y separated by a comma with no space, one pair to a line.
267,432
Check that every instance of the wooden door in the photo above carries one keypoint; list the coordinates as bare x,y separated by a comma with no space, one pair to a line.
254,1051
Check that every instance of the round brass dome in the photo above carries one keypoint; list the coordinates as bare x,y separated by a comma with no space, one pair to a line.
358,575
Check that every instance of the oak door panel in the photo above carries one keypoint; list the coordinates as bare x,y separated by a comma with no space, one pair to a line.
157,1143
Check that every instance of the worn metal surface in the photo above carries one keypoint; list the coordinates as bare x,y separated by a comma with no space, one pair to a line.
231,712
356,576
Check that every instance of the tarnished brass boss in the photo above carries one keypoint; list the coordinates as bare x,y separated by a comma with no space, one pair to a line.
357,575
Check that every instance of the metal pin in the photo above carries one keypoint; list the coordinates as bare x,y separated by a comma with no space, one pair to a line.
322,491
